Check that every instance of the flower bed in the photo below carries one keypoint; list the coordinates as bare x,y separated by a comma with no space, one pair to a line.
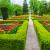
46,24
8,27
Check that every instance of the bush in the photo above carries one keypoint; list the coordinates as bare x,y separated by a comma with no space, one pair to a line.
21,33
14,41
43,35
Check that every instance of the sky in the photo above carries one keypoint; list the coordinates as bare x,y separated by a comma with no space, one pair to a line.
46,0
20,2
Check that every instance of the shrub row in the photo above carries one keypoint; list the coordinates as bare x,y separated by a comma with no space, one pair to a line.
41,17
14,41
22,17
43,35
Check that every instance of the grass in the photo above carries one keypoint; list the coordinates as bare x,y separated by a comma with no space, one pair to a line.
43,35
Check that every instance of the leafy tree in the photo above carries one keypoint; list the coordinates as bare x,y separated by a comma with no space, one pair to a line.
39,7
48,7
11,9
4,8
33,6
43,8
17,9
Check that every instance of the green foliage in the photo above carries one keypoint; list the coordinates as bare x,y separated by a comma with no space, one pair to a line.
21,33
4,12
4,8
11,7
43,8
17,8
11,45
14,41
34,6
44,36
4,3
40,7
25,7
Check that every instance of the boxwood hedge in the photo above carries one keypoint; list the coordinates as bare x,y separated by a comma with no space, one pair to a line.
43,35
14,41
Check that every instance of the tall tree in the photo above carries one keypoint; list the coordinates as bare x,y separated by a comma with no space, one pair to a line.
42,7
39,7
25,7
33,6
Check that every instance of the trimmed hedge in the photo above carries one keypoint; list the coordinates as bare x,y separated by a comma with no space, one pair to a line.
43,35
14,41
21,17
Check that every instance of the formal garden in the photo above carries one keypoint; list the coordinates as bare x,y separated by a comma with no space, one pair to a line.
14,23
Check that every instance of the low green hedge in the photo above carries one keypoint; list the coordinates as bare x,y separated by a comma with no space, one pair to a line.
43,35
14,41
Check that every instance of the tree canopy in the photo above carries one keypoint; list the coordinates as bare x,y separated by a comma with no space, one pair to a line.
11,7
40,7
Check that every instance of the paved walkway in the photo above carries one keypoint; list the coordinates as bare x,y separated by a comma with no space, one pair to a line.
31,41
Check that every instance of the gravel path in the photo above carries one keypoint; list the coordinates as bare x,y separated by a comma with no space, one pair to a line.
32,40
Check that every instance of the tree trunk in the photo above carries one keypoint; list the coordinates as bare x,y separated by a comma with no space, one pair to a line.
16,13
